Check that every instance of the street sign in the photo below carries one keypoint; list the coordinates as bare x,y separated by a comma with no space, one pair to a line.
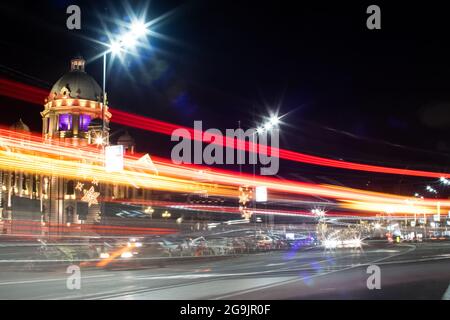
261,194
114,158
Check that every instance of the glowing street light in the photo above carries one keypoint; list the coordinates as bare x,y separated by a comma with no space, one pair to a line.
99,140
272,123
166,214
268,126
115,47
128,40
318,212
274,120
138,28
431,189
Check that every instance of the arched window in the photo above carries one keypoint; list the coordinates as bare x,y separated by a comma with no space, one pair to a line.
24,182
70,189
34,184
65,122
84,122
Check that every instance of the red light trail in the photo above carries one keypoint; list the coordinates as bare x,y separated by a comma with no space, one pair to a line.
35,95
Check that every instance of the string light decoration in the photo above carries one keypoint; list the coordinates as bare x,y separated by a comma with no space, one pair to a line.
245,196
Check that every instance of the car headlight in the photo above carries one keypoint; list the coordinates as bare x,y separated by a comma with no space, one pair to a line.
104,255
126,254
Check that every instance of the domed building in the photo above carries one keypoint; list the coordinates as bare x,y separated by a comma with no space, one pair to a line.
20,126
75,101
75,113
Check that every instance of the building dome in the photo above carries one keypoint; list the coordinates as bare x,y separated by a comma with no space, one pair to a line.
20,126
126,140
76,84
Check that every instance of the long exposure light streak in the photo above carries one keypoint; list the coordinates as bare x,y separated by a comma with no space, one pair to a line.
15,155
35,95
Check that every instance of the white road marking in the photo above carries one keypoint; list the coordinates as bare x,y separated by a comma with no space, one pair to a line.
446,295
50,280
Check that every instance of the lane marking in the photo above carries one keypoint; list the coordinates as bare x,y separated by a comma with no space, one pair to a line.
446,295
51,280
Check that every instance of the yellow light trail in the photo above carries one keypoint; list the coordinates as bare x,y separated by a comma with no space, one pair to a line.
29,153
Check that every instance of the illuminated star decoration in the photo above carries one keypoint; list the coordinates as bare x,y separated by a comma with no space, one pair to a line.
245,195
246,214
95,181
79,186
243,198
90,196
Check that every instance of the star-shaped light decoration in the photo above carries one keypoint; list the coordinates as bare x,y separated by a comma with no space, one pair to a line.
95,181
79,186
90,196
243,198
245,194
246,214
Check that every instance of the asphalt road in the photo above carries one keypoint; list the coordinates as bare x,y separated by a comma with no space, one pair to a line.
408,271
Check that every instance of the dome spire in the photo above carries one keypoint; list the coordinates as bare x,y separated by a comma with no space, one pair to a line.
77,64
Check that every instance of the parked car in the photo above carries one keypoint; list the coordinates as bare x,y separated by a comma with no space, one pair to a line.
220,246
279,243
264,242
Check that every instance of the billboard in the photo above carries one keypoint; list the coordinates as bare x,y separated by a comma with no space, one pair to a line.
114,158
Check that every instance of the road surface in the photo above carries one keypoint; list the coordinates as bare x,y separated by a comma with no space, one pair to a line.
408,271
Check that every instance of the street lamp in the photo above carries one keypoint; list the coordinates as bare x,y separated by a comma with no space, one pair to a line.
128,40
269,125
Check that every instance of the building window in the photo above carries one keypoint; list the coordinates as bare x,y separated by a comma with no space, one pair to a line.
34,184
24,182
84,122
65,122
70,187
69,214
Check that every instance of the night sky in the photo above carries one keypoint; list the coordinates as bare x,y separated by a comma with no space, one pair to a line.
372,96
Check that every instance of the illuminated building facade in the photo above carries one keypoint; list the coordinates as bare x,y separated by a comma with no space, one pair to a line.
74,114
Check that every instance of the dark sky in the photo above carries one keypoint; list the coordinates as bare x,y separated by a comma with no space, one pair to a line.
373,96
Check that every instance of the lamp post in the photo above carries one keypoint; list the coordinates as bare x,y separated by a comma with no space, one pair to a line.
271,124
